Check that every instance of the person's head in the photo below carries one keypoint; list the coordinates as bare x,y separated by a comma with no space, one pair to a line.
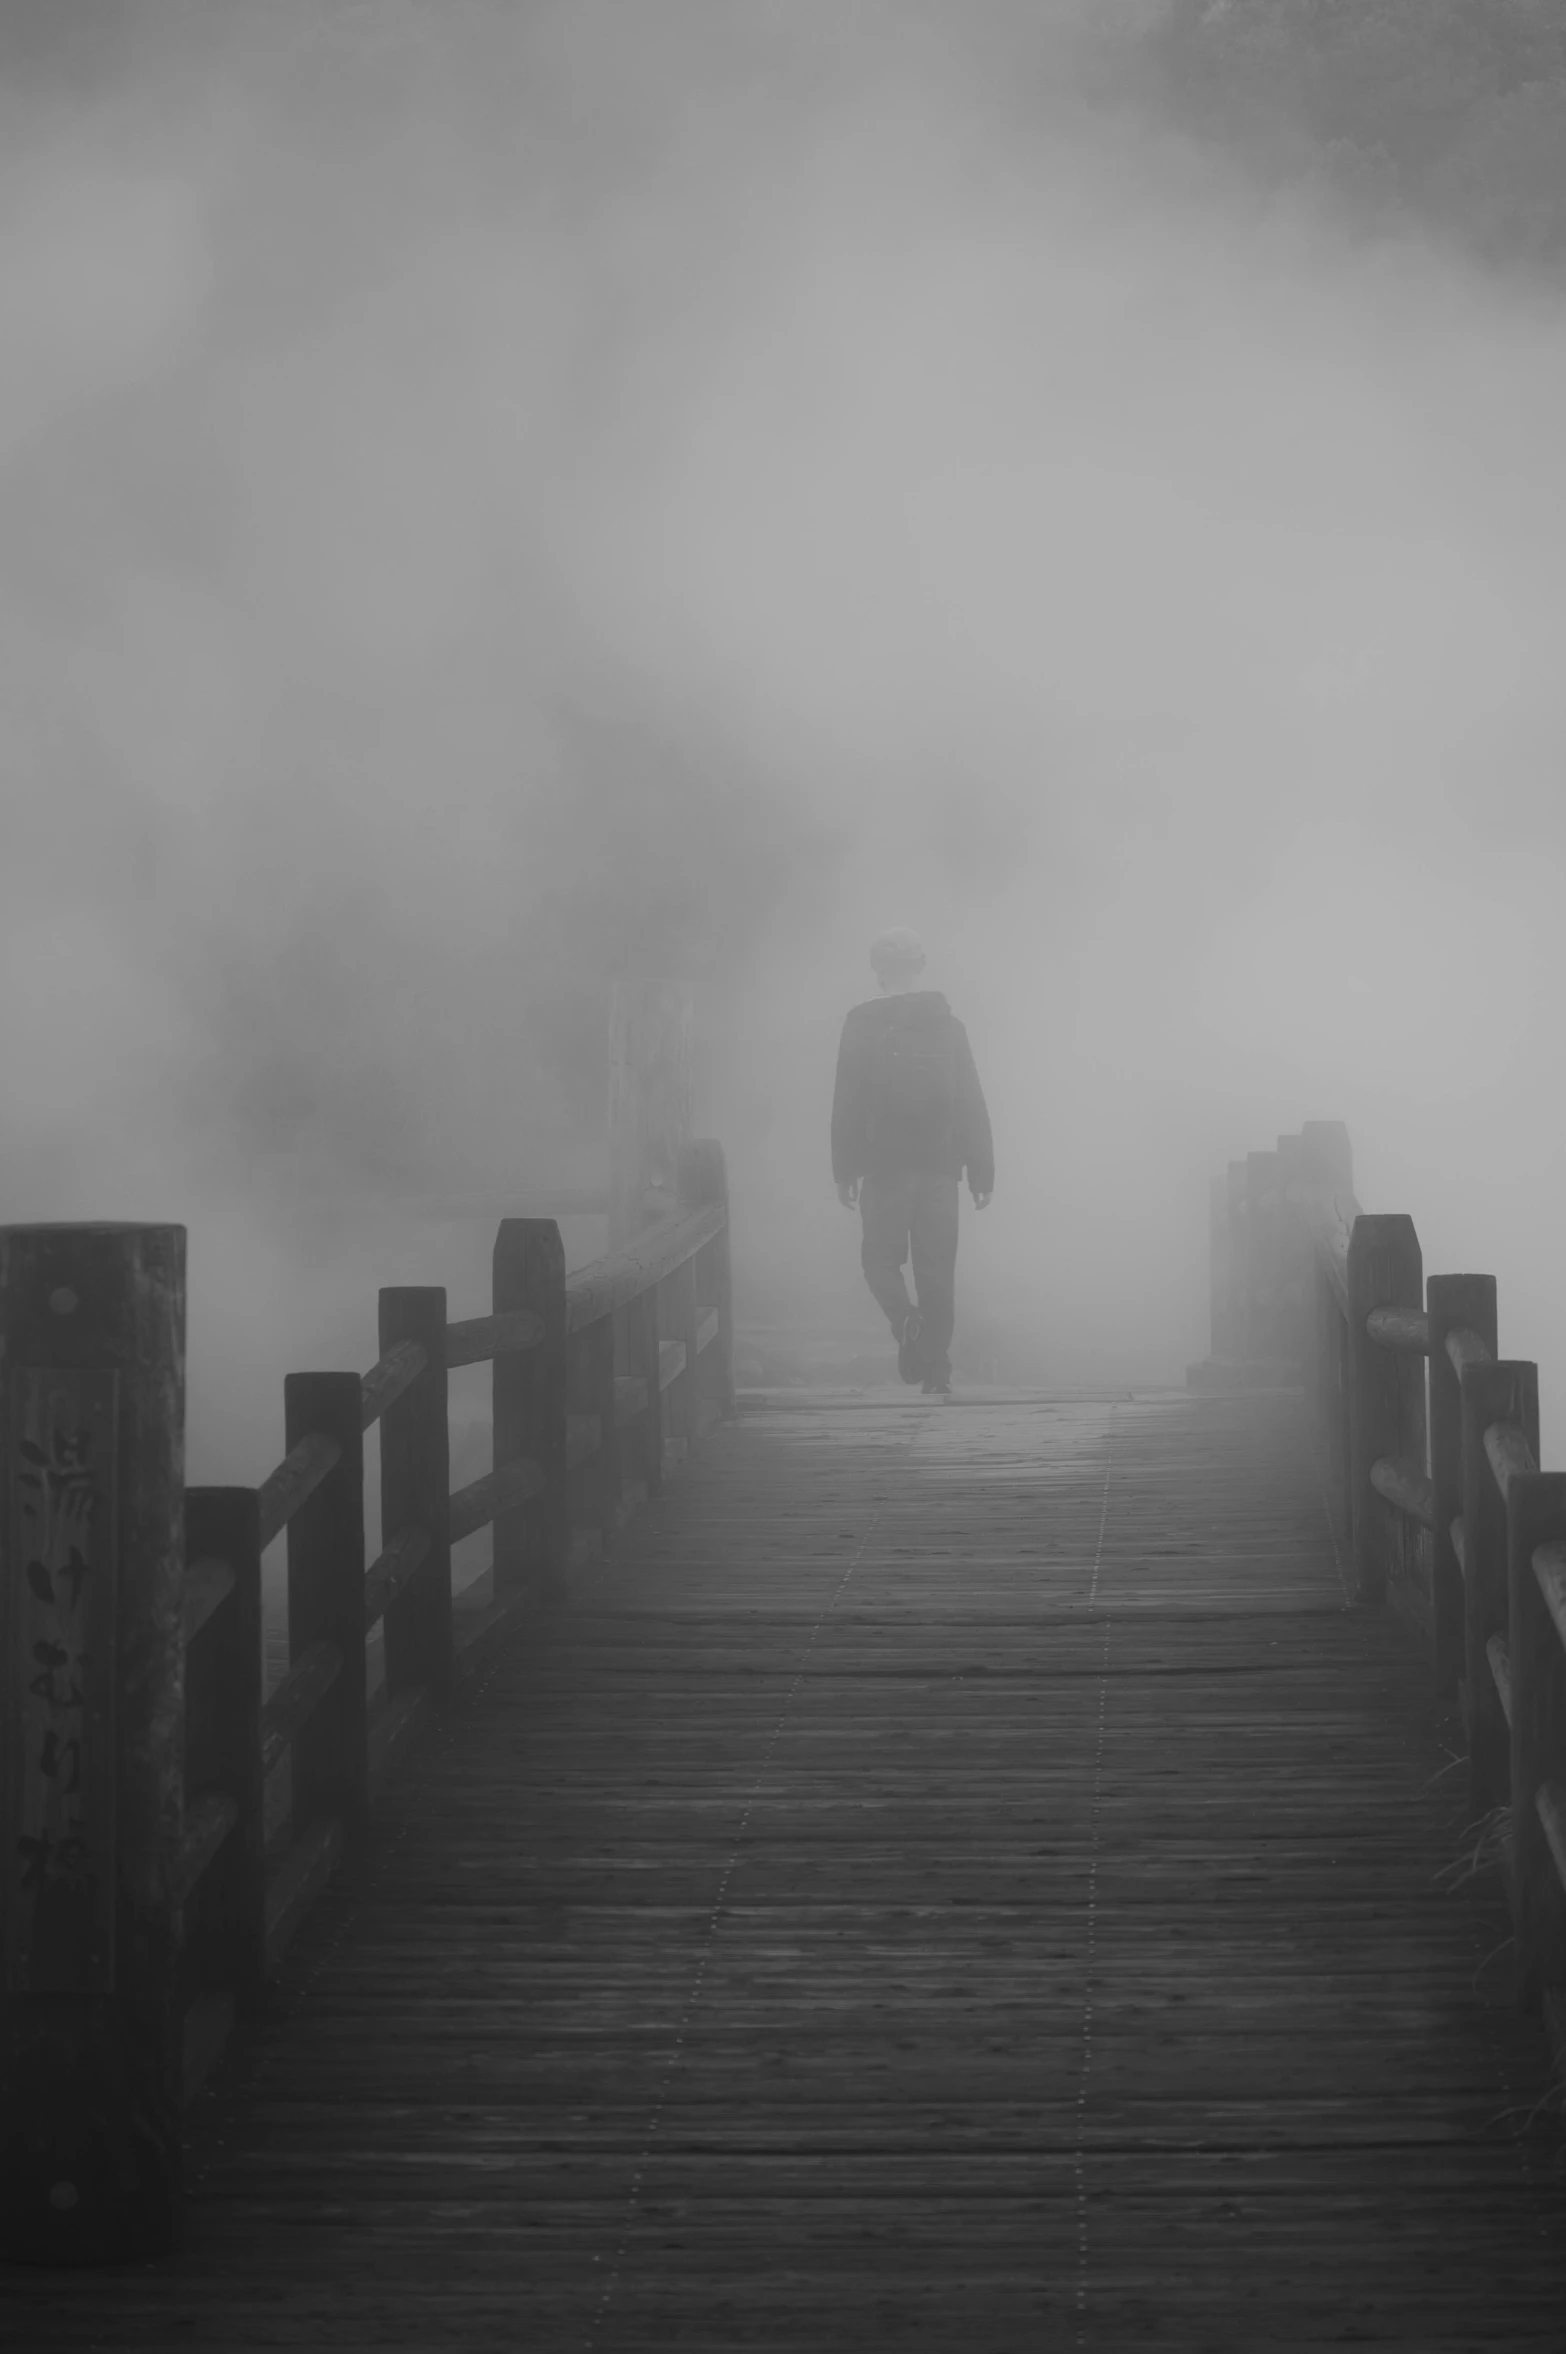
896,959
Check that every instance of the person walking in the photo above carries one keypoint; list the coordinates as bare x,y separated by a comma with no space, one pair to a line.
908,1118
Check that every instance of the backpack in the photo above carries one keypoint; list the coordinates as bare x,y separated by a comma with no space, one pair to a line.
912,1105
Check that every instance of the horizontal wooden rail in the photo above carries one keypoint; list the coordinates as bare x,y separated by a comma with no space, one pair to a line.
1465,1348
479,1340
1549,1570
672,1356
614,1282
390,1571
476,1505
1460,1545
208,1583
294,1482
1500,1659
385,1382
1406,1488
299,1692
208,1822
1509,1453
1400,1328
1549,1803
707,1331
298,1880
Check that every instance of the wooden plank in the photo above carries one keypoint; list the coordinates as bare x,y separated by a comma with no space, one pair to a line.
1406,1488
208,1822
611,1283
296,1478
1400,1328
707,1331
391,1733
299,1880
207,1583
391,1569
671,1362
478,1340
389,1377
476,1505
307,1682
1501,1673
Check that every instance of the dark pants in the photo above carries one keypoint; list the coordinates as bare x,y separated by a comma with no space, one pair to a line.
913,1213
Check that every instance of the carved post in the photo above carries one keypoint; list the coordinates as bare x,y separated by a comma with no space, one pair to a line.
331,1759
416,1492
590,1366
704,1178
92,1574
1453,1302
649,1101
1504,1392
227,1920
642,1338
532,1540
1386,1390
1536,1515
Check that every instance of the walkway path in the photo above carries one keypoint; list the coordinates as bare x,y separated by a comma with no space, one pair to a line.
959,1880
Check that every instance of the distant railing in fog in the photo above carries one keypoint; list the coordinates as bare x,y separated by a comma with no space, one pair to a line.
1429,1446
144,1901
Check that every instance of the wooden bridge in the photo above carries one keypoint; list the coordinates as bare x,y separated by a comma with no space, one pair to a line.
987,1874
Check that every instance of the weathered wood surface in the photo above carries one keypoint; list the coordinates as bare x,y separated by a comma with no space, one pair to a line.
958,1878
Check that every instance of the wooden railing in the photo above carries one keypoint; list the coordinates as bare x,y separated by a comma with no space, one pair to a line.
1429,1446
601,1382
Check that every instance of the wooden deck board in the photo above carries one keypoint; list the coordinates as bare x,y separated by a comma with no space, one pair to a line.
958,1878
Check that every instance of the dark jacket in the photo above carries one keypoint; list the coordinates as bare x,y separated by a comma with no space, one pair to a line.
957,1139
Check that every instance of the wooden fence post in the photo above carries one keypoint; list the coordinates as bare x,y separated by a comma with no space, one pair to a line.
1386,1390
1536,1515
532,1540
92,1577
642,1340
704,1179
1507,1391
331,1759
1453,1303
416,1492
590,1382
226,1921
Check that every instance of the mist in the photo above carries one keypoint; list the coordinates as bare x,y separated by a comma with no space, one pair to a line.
493,498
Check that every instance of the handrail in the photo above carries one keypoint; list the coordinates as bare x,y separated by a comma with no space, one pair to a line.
1400,1328
386,1380
294,1482
208,1822
390,1571
609,1283
479,1339
1404,1486
1465,1348
1509,1453
296,1698
208,1582
476,1505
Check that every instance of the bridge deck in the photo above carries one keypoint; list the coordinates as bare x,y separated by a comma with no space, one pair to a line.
959,1879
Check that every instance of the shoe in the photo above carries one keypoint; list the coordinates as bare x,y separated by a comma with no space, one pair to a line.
908,1364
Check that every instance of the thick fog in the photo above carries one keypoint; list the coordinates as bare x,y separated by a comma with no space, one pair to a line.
493,496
